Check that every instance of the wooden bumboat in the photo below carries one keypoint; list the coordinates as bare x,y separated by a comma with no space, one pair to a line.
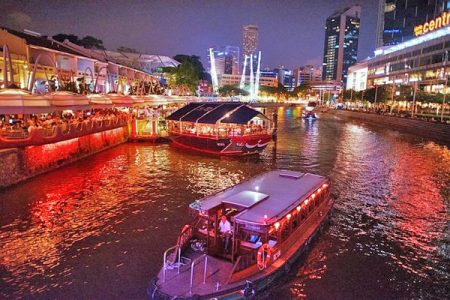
274,216
220,128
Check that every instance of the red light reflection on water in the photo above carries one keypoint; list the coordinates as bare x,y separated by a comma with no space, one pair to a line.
416,195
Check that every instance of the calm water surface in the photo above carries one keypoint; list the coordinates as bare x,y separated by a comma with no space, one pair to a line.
97,229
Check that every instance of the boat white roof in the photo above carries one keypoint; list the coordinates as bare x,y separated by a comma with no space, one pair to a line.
272,194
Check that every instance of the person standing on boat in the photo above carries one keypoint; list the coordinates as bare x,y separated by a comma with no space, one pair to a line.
225,230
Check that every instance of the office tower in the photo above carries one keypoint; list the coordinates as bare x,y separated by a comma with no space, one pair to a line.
397,18
285,78
341,43
226,60
250,39
250,44
307,74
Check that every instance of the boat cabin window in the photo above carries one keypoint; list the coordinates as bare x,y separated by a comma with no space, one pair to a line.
254,238
295,222
272,239
285,231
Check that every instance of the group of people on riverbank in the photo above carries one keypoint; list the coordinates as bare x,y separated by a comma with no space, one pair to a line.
400,114
23,125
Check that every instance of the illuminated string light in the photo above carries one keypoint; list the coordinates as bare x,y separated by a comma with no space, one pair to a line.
277,225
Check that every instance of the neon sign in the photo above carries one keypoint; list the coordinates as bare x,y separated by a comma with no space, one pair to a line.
432,25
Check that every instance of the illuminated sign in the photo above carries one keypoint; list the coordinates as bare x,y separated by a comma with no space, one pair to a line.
432,25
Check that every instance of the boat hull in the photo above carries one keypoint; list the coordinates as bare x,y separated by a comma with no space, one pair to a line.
259,282
246,145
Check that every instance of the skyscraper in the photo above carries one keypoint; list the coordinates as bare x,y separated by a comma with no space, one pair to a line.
307,74
250,41
226,60
250,45
397,18
341,43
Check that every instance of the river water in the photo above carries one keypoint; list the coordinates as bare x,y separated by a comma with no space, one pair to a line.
97,228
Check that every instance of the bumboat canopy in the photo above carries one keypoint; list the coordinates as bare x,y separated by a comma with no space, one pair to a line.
212,112
272,194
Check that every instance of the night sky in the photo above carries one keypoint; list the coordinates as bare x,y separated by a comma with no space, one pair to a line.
291,32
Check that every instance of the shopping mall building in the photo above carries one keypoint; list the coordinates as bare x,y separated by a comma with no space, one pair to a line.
420,61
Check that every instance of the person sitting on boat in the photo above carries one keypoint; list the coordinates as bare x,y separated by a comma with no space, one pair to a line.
225,231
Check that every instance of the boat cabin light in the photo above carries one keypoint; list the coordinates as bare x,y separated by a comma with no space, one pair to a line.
313,196
277,225
288,216
324,185
319,190
298,208
306,201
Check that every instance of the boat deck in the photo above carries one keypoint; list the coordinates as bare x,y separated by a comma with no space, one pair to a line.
217,272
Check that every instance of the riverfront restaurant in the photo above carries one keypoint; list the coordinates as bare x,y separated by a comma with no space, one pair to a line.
36,60
419,61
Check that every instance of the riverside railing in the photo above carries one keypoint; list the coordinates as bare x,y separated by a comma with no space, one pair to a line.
58,133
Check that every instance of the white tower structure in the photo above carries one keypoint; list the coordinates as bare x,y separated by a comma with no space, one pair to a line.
215,82
242,84
252,81
258,74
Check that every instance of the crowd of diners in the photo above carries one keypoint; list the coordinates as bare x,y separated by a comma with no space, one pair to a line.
20,125
223,130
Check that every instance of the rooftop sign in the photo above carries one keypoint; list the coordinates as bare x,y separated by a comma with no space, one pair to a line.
432,25
443,32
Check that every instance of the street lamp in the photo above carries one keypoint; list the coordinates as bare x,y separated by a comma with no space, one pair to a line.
414,100
445,87
376,94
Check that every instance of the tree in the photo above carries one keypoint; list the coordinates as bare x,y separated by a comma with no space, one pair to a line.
88,41
186,77
127,50
301,90
351,95
278,91
70,37
91,42
195,61
382,93
232,90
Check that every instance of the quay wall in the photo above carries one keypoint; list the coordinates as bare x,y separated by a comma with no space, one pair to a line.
19,164
434,131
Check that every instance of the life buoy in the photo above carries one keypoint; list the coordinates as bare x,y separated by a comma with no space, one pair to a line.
263,257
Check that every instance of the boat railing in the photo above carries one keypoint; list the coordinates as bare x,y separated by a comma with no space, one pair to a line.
169,265
234,269
191,283
186,233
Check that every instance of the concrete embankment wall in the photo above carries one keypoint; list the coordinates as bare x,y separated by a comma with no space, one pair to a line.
19,164
433,131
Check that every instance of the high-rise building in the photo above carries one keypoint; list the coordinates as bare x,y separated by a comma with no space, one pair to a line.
285,78
341,43
250,45
250,42
307,74
398,18
226,60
